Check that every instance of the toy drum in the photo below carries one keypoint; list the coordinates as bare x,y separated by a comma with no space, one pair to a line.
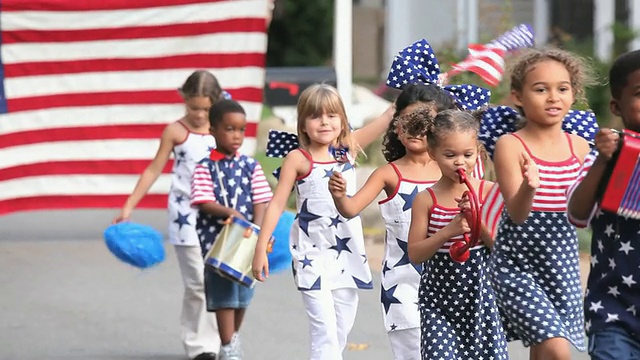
232,252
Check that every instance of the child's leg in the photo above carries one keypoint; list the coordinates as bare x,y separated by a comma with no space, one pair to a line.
346,305
239,317
551,349
322,325
226,324
405,344
199,331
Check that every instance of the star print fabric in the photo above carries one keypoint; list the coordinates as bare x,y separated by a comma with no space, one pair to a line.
327,249
458,311
400,277
182,217
417,63
534,268
243,181
613,289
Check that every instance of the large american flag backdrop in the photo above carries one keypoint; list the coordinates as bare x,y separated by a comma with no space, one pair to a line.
88,86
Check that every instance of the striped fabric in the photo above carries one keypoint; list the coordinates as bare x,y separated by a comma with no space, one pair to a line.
487,60
88,86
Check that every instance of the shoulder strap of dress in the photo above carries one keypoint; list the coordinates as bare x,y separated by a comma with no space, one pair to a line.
526,148
395,168
570,144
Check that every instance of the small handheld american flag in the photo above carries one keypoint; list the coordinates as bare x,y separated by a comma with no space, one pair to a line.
487,61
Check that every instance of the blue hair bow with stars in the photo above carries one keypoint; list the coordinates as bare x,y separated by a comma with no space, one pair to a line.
417,63
500,120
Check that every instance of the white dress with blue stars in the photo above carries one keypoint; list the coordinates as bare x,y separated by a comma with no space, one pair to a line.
400,277
182,217
327,249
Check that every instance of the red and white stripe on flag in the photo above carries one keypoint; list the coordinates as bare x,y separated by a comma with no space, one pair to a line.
492,210
88,86
487,61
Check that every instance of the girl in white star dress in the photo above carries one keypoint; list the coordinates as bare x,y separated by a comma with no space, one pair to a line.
459,316
409,171
190,141
534,269
329,260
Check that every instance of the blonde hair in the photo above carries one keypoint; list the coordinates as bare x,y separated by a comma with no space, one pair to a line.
319,99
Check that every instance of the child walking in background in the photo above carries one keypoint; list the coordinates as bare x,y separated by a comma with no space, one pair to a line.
189,140
329,260
410,170
459,316
613,294
226,184
535,266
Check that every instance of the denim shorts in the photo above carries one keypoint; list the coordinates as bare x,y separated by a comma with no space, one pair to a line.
613,343
222,293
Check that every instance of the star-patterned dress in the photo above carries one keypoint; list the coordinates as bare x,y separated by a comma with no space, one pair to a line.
182,217
459,315
613,287
534,268
400,277
327,249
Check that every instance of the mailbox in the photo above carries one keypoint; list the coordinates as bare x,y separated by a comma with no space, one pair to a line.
283,85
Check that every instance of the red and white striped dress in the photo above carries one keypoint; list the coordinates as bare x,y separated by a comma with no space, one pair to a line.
458,313
534,268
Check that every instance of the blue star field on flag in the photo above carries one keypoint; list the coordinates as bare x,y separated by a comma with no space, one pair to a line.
417,63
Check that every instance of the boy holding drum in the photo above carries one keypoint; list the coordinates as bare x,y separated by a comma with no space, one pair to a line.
224,185
612,303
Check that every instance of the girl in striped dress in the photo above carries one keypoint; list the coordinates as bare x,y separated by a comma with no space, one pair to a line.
459,316
534,269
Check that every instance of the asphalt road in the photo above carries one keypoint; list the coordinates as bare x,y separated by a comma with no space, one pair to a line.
64,296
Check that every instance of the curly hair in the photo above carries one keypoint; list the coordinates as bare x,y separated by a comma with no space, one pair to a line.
622,67
432,96
449,121
580,71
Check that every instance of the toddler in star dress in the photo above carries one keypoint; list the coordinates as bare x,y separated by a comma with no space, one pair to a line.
534,268
459,316
329,260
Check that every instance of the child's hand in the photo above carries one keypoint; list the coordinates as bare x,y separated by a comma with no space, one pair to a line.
337,185
530,171
260,265
123,216
459,225
606,143
464,203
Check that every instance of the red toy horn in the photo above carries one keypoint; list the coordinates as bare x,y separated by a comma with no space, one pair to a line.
459,251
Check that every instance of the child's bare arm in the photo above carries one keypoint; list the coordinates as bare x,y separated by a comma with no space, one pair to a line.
420,247
352,206
219,210
293,165
149,176
516,189
374,129
583,198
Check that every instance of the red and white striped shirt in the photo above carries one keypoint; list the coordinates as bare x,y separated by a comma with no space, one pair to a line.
202,185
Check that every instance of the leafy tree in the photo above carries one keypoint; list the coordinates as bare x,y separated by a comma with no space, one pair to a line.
301,33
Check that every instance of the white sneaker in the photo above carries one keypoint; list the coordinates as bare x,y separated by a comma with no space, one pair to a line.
236,344
228,352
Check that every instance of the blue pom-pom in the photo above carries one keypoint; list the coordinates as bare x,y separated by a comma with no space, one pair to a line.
280,256
135,244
